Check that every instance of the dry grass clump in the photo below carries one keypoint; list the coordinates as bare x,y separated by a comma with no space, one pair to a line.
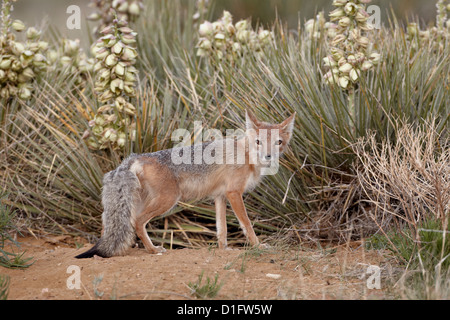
407,180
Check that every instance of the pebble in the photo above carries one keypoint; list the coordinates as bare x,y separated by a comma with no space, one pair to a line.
273,276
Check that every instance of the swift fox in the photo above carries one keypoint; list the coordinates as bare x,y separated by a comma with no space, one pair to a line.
148,185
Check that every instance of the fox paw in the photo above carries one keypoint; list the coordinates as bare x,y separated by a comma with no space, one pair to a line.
157,250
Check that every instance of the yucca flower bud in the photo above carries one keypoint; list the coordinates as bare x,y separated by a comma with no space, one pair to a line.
94,16
363,41
338,39
264,35
337,14
242,25
375,58
134,9
205,45
24,93
97,130
99,120
5,63
33,33
129,54
346,68
71,47
339,3
118,48
117,86
26,75
111,60
345,22
119,69
18,25
329,78
17,48
121,7
205,29
350,9
362,16
329,62
122,139
343,82
354,75
237,47
367,65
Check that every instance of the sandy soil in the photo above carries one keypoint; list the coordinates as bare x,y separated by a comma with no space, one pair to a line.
334,273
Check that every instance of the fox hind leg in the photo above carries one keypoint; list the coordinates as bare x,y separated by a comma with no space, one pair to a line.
158,206
159,194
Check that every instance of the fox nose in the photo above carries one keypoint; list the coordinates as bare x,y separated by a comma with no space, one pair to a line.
268,157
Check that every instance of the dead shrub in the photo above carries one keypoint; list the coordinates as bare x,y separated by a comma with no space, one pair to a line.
406,181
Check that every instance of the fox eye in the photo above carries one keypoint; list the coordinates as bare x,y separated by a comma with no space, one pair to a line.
279,142
258,142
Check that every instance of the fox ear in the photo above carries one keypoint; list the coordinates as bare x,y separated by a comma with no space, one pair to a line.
251,121
288,124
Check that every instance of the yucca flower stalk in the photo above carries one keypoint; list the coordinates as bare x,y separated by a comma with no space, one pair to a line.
315,28
202,9
442,23
224,40
351,53
436,36
442,7
5,14
108,10
71,59
20,62
115,82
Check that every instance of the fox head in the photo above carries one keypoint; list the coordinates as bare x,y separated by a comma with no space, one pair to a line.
267,142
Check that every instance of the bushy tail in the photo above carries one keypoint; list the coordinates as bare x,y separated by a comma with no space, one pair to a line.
120,191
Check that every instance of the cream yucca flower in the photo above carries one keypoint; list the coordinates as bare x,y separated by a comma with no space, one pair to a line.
224,40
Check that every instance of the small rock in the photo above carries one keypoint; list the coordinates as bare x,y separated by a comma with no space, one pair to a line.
273,276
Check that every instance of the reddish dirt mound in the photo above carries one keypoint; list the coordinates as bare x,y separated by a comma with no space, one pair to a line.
335,273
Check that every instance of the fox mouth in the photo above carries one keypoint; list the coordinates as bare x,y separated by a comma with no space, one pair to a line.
266,163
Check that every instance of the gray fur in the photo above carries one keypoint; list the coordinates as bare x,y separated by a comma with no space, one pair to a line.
118,198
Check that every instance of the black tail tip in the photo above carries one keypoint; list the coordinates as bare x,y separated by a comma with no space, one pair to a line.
90,253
